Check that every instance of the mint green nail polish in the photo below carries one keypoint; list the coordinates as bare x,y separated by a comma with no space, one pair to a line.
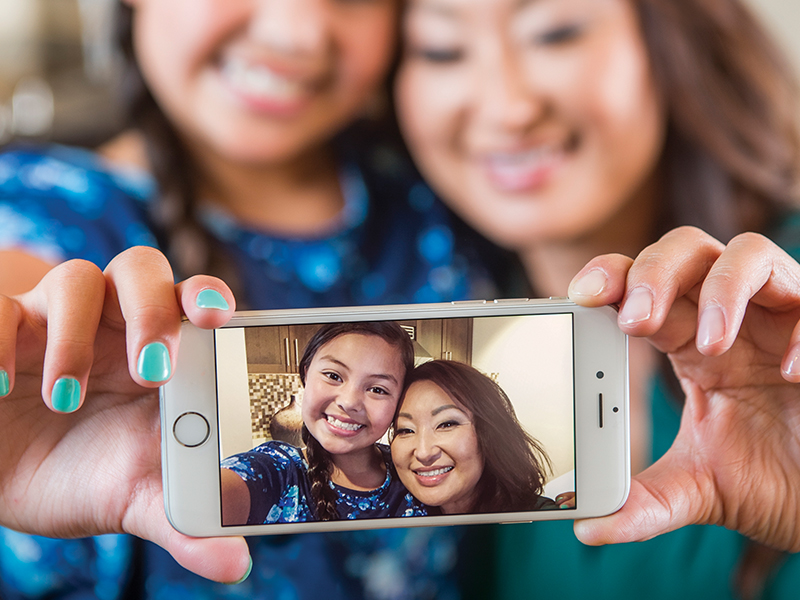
154,363
246,575
5,386
211,299
66,395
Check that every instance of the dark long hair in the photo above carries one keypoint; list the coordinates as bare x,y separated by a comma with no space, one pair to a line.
515,464
186,243
731,160
320,465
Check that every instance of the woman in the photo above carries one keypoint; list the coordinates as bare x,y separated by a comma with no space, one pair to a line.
568,129
457,444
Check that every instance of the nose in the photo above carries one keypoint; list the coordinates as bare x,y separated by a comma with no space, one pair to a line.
350,399
427,451
291,26
505,100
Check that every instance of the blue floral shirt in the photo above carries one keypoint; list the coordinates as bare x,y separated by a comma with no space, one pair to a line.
276,474
393,243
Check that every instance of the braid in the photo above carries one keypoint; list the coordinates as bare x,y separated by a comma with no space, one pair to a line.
320,470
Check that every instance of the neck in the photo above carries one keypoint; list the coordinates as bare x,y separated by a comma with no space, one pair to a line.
362,470
551,264
299,197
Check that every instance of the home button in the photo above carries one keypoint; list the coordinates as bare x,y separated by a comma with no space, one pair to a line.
191,429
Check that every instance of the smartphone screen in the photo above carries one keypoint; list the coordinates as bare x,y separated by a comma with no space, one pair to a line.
487,424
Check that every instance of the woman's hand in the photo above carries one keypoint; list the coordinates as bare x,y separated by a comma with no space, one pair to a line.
727,318
85,352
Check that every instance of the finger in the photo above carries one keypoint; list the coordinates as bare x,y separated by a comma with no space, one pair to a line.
71,296
601,282
663,498
226,560
206,301
10,317
142,290
751,268
663,272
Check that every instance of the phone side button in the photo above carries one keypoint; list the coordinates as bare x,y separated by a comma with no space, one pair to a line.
468,302
191,429
511,300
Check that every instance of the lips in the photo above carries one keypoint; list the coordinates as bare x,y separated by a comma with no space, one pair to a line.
429,477
264,88
526,169
343,427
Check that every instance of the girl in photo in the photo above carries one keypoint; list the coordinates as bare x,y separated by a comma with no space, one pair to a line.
352,375
458,446
665,131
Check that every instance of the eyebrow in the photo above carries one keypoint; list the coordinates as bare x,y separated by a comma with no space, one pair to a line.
434,412
386,376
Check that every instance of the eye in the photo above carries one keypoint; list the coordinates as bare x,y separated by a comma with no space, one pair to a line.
559,35
376,389
448,424
439,55
333,376
403,431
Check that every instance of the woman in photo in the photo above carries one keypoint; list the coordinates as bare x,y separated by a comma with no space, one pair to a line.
352,375
570,129
458,445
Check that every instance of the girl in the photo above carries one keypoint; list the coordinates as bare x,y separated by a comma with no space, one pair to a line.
576,128
246,158
352,375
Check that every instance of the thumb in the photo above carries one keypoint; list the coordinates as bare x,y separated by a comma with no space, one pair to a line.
664,497
223,559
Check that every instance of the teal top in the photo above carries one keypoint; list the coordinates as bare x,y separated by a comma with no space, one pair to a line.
545,559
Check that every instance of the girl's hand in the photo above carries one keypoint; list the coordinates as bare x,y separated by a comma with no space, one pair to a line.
727,318
85,352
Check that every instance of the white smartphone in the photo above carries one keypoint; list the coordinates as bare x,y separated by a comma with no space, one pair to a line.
394,416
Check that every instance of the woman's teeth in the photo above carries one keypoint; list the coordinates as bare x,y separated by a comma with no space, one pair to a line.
342,425
259,81
435,472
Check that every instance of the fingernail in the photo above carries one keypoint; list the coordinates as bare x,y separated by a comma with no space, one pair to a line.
591,284
638,306
792,365
5,385
154,363
564,506
712,326
211,299
246,575
66,395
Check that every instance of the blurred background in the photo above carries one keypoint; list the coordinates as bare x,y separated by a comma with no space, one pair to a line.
58,66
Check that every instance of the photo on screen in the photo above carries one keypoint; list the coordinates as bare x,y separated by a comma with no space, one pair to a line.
396,418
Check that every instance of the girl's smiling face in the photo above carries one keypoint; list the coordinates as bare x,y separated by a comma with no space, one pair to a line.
262,80
351,391
435,449
537,120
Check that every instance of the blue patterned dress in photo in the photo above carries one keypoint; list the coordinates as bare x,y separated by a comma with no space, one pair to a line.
393,243
276,474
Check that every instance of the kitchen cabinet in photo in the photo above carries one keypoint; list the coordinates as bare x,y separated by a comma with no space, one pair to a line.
446,339
277,349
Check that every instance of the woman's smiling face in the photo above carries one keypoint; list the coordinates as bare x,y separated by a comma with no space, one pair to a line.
435,449
537,120
352,386
262,80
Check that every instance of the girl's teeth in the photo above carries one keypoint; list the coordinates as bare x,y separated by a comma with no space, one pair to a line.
342,425
260,81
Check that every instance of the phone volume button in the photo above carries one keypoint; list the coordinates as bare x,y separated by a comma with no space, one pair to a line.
511,300
468,302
